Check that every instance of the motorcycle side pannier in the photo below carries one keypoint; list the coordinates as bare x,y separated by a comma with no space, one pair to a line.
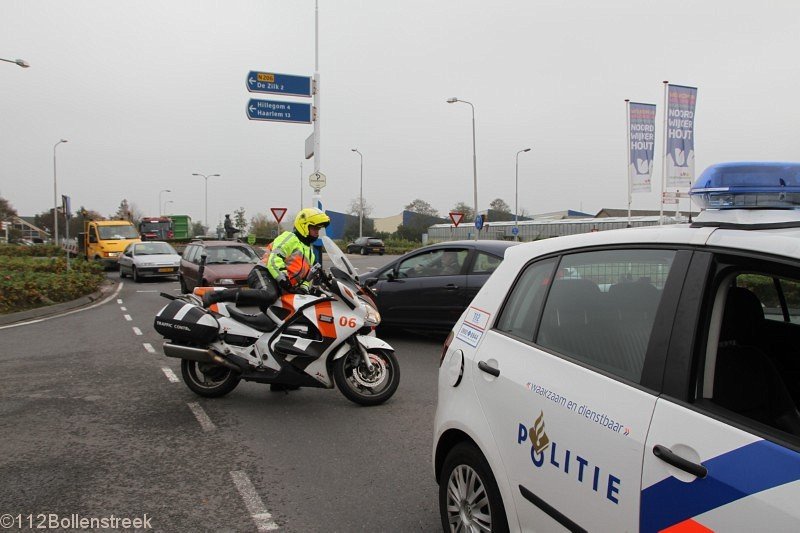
181,321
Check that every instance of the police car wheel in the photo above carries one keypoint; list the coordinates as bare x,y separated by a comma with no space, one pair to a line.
207,379
469,499
135,275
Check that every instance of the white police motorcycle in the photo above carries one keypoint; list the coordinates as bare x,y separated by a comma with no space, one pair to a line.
301,340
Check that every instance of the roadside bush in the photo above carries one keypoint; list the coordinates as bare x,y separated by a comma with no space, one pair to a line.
37,250
29,282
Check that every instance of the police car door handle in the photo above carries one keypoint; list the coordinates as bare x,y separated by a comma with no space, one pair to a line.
666,455
483,365
451,286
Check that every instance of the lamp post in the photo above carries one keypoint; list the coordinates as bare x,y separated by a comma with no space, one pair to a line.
474,158
516,193
205,219
160,212
21,62
360,195
55,192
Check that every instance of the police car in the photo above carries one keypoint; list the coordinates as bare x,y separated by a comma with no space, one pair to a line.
641,379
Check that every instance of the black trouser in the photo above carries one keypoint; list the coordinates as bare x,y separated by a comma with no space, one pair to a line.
263,292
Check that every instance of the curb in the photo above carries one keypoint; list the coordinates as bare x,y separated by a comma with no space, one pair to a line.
41,312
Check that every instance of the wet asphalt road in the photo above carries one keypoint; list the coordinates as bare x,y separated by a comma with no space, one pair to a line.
92,425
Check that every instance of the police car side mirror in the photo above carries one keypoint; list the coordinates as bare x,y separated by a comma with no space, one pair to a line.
390,276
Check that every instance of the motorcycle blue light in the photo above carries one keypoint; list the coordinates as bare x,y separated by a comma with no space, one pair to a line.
751,185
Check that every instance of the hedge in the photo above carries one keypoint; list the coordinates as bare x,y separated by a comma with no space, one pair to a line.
30,282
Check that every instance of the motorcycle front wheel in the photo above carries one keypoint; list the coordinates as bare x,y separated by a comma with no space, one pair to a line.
207,379
363,387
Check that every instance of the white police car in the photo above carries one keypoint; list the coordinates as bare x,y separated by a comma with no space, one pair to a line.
656,390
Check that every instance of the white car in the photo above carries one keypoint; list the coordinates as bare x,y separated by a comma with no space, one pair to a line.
148,259
634,380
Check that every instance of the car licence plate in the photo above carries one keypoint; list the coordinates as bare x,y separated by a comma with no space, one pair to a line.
166,269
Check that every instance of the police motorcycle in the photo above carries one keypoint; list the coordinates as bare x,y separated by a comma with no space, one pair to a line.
302,340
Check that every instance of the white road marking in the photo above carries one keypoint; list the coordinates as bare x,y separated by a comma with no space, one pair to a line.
123,308
137,331
128,317
146,291
149,347
119,300
259,513
170,375
116,292
201,417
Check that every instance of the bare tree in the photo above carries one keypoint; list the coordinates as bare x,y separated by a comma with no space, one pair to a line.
353,208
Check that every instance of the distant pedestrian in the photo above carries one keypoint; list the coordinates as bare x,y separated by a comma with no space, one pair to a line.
230,231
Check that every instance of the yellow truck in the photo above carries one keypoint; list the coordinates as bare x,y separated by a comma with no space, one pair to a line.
105,240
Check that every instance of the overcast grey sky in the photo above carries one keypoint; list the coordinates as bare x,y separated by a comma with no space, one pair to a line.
149,92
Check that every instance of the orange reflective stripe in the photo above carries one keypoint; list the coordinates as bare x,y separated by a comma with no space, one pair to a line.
287,302
214,307
328,329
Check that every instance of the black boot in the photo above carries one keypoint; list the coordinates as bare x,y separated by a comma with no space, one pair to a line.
226,295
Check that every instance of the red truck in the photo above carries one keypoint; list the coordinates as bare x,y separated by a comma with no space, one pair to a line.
156,228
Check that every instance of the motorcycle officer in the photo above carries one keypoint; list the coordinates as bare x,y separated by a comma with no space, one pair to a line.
284,266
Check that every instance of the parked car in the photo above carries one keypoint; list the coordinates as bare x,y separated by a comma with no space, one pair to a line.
430,287
647,389
366,246
148,260
227,264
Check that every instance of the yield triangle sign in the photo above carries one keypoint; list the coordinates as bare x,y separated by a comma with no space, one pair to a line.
278,213
456,217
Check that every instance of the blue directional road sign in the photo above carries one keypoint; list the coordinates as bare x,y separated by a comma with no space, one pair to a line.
276,111
515,231
479,222
272,83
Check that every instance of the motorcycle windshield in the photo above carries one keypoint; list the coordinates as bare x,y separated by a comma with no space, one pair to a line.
338,258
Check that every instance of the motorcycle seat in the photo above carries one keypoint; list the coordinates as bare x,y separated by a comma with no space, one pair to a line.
259,321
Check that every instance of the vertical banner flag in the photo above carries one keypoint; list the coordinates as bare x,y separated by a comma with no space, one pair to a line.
641,143
679,132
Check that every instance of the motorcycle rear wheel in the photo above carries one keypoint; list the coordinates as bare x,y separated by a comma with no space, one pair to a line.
359,385
207,379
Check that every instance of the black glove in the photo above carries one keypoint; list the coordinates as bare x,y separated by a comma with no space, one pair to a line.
285,284
301,289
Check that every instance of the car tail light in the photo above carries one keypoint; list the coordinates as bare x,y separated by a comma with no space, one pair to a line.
447,342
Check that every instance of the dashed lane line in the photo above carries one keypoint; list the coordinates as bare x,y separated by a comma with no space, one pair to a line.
119,300
149,347
128,317
170,375
137,331
201,417
258,512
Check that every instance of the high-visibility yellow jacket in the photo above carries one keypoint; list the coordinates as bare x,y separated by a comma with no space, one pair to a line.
288,255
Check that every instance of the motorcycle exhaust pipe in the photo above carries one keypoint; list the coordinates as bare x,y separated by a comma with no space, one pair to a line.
197,354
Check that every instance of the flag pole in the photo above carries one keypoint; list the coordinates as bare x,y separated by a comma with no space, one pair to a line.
664,156
628,154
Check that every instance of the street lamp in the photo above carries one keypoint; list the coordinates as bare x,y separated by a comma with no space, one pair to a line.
20,62
159,200
516,194
205,220
360,195
55,192
453,100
